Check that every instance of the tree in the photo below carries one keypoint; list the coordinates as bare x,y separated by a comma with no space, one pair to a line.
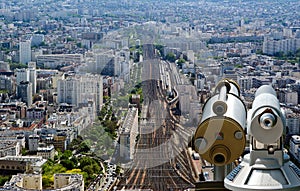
85,161
68,164
88,169
66,155
83,148
13,66
171,57
3,179
180,62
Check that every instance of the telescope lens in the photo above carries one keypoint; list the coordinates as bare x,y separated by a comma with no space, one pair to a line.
267,121
219,158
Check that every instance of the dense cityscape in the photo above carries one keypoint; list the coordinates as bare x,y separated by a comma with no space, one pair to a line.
107,95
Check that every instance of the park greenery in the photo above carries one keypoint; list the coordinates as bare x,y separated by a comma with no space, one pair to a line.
102,133
69,163
14,66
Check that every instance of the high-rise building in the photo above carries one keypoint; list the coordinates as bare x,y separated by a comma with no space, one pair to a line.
105,64
32,76
81,89
24,92
22,75
25,51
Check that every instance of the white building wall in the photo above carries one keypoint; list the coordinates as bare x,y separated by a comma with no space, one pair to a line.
22,75
25,51
291,98
81,89
293,125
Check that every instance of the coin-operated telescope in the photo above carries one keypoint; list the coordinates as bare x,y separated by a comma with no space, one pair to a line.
267,167
220,137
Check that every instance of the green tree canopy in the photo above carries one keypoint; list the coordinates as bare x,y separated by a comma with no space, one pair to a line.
171,57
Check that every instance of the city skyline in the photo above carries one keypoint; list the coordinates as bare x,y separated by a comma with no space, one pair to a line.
115,92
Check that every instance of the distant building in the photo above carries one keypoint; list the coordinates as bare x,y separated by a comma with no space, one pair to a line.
4,66
25,182
288,97
68,182
89,38
105,64
187,94
245,83
54,60
128,134
33,142
47,152
60,142
24,92
272,46
10,148
295,146
79,89
19,164
22,74
7,84
25,51
37,111
32,76
293,123
37,39
62,182
200,81
14,138
27,75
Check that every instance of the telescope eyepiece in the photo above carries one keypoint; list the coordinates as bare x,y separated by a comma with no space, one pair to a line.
267,121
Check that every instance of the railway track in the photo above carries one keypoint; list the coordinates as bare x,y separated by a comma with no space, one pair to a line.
161,145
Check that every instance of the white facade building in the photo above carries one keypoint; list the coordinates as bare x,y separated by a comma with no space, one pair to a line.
128,134
32,76
81,89
9,148
24,92
22,74
291,98
271,46
33,142
62,182
54,60
293,123
47,152
25,51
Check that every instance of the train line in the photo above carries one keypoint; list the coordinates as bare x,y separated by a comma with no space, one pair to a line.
161,145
